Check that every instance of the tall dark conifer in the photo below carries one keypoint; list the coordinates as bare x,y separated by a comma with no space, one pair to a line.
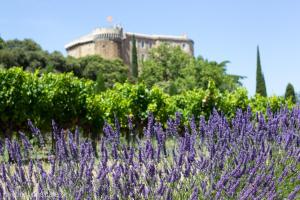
290,93
134,60
260,79
2,43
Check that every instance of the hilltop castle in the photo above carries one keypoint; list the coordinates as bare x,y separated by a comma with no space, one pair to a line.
112,43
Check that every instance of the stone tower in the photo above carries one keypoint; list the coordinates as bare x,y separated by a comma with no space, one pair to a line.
106,42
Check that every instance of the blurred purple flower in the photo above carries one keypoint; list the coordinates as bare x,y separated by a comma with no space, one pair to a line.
293,194
195,194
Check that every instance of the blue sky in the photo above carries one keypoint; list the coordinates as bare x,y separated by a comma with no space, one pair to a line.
222,30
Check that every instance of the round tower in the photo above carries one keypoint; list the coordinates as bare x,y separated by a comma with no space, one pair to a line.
108,42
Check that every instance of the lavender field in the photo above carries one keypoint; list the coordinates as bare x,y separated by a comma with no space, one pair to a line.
249,157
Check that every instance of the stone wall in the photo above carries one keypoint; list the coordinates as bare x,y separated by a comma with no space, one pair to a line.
108,49
145,44
82,50
105,48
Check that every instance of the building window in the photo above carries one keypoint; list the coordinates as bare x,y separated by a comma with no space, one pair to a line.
142,44
183,45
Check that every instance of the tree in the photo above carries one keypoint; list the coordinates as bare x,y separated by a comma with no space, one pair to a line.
25,45
168,67
25,53
2,43
260,79
92,69
112,70
176,71
172,89
57,61
100,83
290,93
134,60
207,71
73,65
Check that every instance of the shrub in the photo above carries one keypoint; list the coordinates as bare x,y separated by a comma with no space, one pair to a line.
71,101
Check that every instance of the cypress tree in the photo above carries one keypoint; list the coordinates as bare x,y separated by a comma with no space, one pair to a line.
2,43
260,79
134,60
290,93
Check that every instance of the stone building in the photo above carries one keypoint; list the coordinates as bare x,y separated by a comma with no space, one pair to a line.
112,43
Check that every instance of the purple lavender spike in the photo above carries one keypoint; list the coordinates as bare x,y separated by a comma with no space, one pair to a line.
3,171
293,194
149,130
233,187
169,194
151,170
36,132
193,125
114,151
26,143
195,194
161,190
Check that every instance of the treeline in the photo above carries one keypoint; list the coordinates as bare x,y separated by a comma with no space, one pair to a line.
71,101
30,56
166,67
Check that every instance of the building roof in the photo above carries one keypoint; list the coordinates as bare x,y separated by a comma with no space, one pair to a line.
84,39
162,37
91,36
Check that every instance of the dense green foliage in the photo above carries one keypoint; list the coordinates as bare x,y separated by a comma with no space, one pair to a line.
134,60
290,93
176,71
30,56
112,71
71,101
260,79
207,71
25,95
25,53
168,67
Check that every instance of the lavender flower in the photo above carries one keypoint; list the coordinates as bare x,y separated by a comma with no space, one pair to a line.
26,143
149,130
233,187
233,158
151,170
293,194
161,188
36,132
194,195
